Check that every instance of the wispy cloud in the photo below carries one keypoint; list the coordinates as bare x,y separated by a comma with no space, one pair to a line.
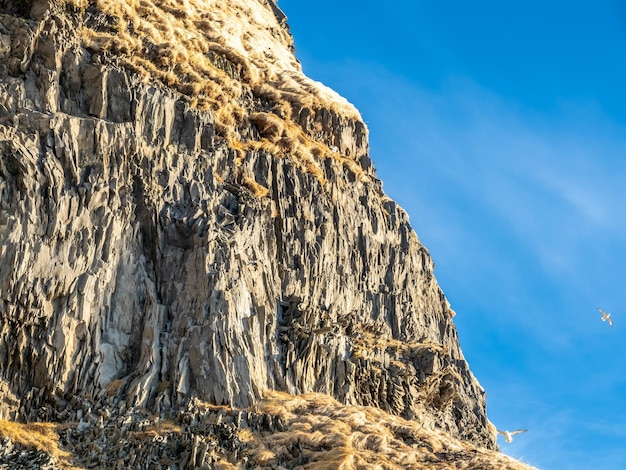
549,184
522,210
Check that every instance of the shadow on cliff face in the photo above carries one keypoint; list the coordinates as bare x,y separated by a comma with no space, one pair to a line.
21,8
16,7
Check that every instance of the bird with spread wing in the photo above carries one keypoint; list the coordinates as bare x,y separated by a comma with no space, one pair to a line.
508,435
606,316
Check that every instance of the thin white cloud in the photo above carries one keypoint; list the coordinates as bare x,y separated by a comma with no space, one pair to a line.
554,183
523,213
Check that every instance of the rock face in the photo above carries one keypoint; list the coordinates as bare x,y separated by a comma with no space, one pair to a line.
183,214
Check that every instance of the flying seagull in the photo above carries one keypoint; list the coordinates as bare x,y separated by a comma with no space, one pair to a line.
508,435
606,316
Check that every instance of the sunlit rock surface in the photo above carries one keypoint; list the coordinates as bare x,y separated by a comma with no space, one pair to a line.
184,214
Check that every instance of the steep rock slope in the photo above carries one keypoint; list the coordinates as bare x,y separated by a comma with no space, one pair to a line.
184,214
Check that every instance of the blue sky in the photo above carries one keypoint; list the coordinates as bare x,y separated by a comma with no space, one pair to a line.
501,128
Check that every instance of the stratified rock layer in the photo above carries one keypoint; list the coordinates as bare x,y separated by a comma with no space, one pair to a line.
153,251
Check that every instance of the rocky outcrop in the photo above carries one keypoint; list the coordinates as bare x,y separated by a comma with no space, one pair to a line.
292,432
194,218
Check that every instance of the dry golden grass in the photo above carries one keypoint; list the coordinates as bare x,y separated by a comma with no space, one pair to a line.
334,436
369,340
37,436
113,387
255,188
219,53
223,464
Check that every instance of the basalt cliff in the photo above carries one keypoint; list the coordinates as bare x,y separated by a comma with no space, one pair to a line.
198,265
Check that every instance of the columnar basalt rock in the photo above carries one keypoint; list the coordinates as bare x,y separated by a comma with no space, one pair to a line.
153,251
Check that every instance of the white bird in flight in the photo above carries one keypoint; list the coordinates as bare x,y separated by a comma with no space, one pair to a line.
606,316
508,435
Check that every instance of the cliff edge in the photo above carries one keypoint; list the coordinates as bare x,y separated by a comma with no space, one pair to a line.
188,223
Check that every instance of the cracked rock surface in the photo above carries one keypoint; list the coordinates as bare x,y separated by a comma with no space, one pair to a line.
145,256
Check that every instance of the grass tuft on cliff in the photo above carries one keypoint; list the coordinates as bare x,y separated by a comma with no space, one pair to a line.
229,57
37,436
329,435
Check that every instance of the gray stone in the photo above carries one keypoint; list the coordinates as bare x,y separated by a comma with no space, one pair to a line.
139,265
